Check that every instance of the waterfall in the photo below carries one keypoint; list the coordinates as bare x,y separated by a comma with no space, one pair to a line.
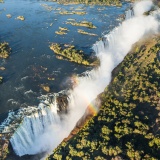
33,126
137,9
37,122
129,13
42,129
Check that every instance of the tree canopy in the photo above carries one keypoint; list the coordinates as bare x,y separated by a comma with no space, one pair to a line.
127,125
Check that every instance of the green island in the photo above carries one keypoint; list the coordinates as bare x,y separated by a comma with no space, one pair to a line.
20,18
74,55
84,32
82,24
127,124
72,12
5,50
62,31
91,2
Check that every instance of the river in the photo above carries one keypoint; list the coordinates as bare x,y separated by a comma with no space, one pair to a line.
31,62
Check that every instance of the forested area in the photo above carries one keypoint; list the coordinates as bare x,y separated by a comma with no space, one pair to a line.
127,125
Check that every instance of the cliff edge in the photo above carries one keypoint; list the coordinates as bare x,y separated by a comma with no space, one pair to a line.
128,123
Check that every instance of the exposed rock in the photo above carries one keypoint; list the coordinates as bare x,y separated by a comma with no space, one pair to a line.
62,102
85,118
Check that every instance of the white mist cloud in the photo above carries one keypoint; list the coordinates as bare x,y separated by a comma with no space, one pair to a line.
142,6
130,32
120,41
52,136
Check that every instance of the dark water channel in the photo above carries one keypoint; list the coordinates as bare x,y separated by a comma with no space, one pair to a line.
31,61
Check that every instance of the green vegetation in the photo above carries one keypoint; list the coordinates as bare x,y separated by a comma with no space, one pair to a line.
21,18
4,151
62,31
4,50
91,2
70,53
72,12
127,125
84,32
82,24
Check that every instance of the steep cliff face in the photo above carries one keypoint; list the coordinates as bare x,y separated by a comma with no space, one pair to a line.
127,125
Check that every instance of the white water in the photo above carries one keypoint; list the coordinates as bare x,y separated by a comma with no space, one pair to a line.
129,13
44,130
138,10
36,124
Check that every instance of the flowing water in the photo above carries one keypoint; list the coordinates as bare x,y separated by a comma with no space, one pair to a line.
42,126
31,61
